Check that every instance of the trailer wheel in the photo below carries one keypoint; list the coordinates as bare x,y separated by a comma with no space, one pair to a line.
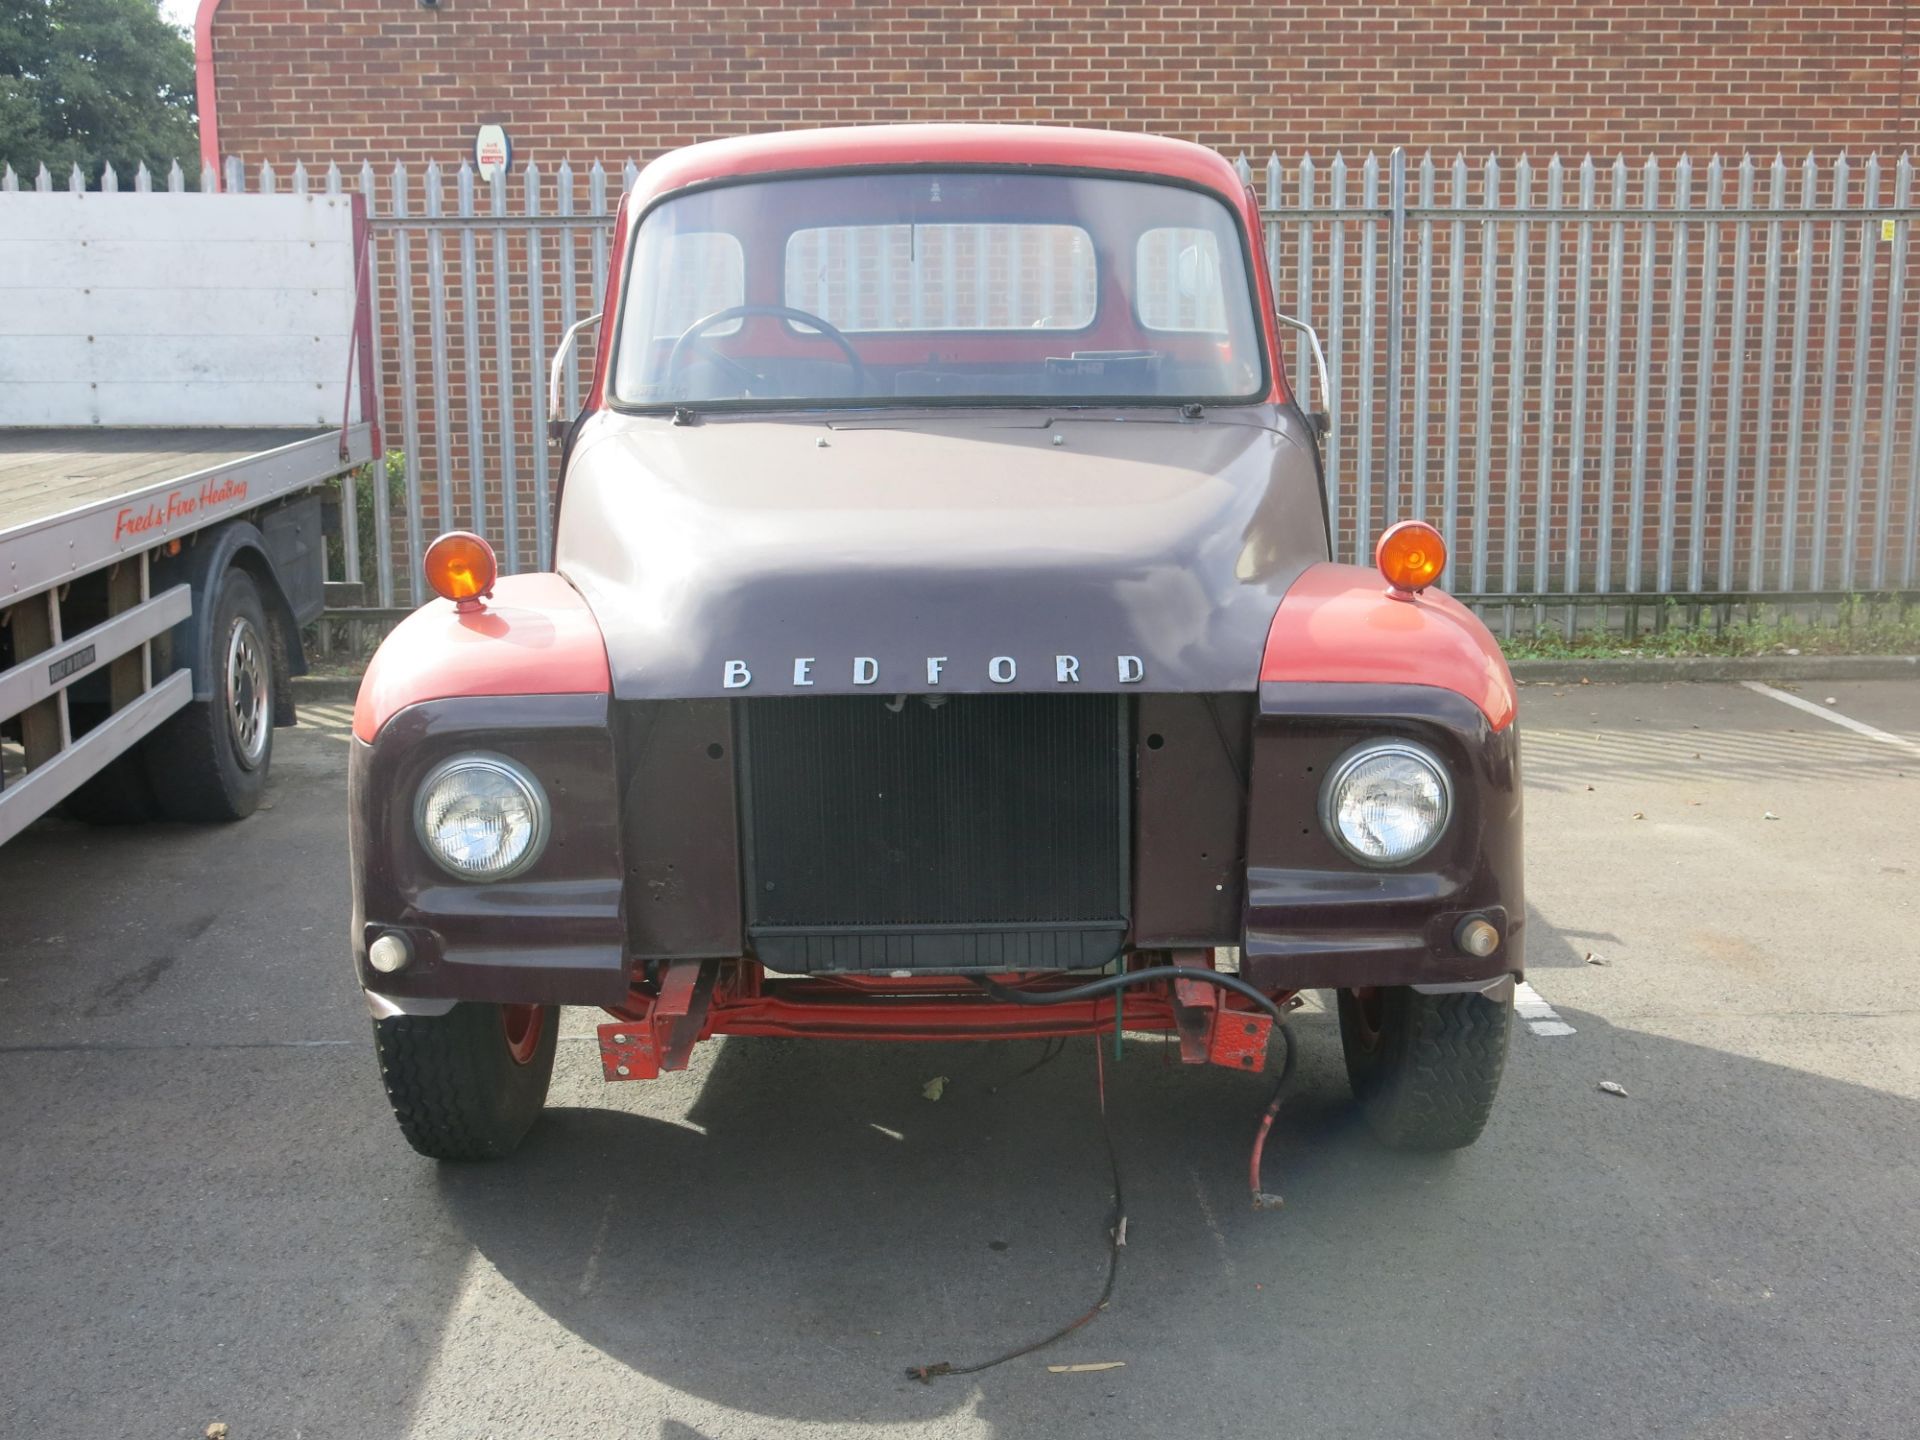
469,1084
1425,1068
209,761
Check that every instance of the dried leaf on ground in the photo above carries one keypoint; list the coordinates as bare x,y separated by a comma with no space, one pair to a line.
1613,1087
1086,1369
935,1087
1594,959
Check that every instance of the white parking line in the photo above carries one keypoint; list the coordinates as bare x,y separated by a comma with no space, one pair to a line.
1833,717
1541,1017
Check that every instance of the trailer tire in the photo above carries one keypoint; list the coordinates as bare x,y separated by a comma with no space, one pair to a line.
469,1084
1425,1068
209,760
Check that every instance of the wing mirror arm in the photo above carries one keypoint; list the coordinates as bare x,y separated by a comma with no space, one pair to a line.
557,419
1320,417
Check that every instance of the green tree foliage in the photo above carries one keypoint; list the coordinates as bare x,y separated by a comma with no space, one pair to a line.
92,82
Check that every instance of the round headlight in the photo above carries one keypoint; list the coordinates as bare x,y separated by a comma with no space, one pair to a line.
481,817
1386,804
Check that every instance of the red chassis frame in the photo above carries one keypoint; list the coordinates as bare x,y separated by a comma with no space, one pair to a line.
698,999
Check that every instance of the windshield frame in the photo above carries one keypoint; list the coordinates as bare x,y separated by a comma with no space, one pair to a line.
1262,323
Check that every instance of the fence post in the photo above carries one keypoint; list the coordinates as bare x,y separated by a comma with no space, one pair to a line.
1549,359
1336,347
1676,366
1703,379
382,498
437,321
1483,406
470,351
1736,373
537,371
1396,311
1889,389
1303,297
1829,378
503,375
1857,378
1368,379
1642,379
569,280
1582,364
1456,315
1422,354
409,392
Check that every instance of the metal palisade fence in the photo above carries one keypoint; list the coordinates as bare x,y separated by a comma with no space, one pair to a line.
1608,385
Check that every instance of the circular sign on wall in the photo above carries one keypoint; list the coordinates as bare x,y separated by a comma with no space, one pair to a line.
492,152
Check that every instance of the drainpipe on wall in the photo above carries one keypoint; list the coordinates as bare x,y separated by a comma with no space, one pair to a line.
204,95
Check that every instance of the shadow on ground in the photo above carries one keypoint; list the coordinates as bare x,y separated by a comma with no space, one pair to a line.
1595,1266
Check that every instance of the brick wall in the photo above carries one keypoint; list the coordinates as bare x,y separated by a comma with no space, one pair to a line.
347,80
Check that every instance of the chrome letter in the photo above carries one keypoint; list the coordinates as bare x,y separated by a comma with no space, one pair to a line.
736,674
1000,669
803,671
866,670
1132,671
1066,669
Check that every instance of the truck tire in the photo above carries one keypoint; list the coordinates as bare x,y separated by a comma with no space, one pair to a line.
209,761
1424,1067
469,1084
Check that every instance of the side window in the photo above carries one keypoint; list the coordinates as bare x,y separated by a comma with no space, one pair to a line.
943,277
702,271
1177,281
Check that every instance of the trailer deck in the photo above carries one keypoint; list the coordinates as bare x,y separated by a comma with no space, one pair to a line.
73,498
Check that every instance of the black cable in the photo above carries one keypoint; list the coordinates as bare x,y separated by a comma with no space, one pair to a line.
1262,1199
1050,1050
1116,1241
1106,985
1116,1234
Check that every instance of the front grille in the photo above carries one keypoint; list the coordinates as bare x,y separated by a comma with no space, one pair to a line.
966,832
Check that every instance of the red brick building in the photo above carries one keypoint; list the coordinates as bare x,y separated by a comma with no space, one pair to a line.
349,80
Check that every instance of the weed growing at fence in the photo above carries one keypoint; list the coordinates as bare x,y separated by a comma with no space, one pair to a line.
363,497
1857,627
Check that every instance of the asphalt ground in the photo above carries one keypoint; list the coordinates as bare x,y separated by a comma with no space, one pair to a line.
206,1213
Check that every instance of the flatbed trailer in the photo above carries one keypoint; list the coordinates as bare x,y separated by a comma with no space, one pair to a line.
155,577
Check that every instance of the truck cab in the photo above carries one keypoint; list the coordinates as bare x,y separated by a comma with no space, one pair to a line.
941,641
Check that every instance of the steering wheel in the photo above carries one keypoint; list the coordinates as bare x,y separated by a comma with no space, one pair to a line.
694,335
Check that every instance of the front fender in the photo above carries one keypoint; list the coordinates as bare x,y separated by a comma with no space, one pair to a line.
1347,663
535,636
524,676
1339,625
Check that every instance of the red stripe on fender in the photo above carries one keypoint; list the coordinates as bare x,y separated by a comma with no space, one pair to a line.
1337,625
534,637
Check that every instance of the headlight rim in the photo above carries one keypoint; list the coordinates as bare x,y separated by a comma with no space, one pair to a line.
1349,761
515,772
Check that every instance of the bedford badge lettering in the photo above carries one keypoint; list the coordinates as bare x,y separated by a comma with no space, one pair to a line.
1000,670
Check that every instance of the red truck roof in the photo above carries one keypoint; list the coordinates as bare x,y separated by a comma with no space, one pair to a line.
960,145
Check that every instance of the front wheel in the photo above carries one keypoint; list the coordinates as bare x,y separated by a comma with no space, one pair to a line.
1425,1068
468,1085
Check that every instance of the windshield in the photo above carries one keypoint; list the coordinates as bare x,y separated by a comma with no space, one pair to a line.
916,286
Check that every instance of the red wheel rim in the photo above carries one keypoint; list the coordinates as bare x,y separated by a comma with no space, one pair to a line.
522,1024
1369,1008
